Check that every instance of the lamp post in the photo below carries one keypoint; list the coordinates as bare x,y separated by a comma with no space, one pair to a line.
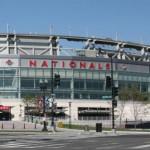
113,97
52,96
43,86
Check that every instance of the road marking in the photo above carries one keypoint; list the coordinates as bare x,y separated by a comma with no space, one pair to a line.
78,147
141,146
32,145
43,146
109,147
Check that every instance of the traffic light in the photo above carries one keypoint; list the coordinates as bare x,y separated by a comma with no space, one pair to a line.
115,91
108,82
114,103
57,80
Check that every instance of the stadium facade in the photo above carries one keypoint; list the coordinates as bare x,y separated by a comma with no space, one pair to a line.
82,63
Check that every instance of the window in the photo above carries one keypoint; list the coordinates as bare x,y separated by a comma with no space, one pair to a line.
144,87
8,82
78,84
64,84
94,84
27,83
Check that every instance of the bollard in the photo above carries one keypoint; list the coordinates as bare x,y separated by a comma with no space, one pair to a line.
13,127
2,126
35,126
24,126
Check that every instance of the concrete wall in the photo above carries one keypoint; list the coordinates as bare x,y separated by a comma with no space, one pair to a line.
17,108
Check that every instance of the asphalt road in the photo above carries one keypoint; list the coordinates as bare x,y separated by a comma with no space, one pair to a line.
38,142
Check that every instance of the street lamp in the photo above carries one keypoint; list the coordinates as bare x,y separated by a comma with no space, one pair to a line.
43,86
112,85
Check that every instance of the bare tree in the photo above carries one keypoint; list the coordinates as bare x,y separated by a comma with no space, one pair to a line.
123,98
139,102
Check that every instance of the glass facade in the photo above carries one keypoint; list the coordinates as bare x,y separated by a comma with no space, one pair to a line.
83,83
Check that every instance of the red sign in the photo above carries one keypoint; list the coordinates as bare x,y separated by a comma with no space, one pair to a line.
4,107
72,64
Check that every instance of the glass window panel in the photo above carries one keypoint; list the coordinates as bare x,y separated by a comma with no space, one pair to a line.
94,84
144,87
76,74
39,73
89,75
27,83
95,75
83,74
1,72
10,72
64,84
102,75
31,72
69,73
8,82
62,73
79,84
24,72
47,72
63,95
77,96
1,82
9,95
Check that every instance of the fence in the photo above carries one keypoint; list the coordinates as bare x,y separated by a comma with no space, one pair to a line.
90,121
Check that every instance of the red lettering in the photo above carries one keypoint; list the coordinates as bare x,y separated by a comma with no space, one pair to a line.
54,63
72,64
92,66
100,67
107,66
83,65
44,64
32,63
63,64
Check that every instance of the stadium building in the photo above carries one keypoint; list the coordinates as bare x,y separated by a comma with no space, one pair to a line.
83,64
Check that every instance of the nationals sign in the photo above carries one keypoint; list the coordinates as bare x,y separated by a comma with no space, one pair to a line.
71,64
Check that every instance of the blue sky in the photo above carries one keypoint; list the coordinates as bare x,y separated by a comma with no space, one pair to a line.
128,19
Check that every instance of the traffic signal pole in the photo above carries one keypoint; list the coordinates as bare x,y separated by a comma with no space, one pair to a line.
52,94
113,97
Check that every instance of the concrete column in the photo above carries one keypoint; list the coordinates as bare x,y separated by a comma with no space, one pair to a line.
72,86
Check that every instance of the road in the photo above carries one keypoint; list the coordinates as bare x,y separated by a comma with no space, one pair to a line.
40,142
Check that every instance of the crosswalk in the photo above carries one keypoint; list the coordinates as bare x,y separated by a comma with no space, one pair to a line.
31,145
122,146
72,145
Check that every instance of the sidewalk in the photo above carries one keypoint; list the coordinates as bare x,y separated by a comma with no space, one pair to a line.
60,133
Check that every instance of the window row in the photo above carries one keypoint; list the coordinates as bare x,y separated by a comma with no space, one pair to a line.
65,73
65,84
